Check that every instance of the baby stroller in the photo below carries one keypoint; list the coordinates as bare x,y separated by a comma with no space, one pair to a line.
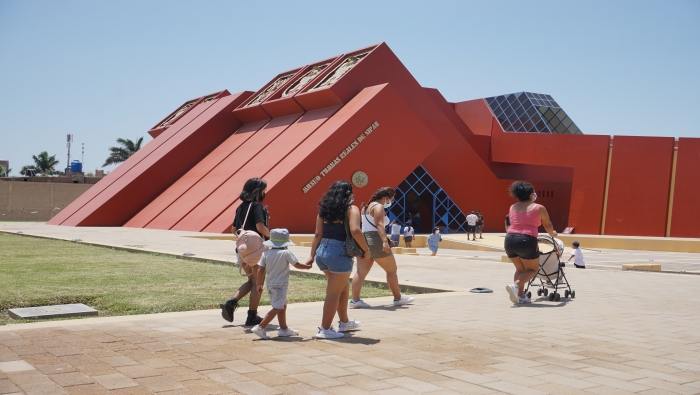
551,272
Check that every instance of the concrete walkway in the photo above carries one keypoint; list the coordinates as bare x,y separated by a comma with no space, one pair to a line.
626,332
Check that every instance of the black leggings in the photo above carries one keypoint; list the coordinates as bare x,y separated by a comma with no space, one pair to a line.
520,245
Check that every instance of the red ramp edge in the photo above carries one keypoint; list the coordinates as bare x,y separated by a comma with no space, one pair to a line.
399,130
152,172
194,175
194,211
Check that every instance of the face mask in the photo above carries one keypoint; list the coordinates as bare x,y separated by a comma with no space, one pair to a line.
534,197
387,204
352,199
262,196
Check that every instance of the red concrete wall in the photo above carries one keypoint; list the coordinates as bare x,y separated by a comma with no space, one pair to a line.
193,177
398,131
640,178
136,182
587,155
685,220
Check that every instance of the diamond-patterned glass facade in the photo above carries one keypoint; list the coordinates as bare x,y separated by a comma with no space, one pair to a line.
531,112
420,194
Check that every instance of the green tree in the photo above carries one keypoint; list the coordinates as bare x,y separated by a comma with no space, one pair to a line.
122,153
43,163
2,171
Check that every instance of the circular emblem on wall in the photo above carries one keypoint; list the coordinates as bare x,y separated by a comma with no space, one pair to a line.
359,179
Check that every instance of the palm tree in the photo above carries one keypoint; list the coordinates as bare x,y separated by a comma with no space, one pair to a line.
120,154
43,163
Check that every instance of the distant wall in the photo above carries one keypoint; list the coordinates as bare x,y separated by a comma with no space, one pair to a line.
36,201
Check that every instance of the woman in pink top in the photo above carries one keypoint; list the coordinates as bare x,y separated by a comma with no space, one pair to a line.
521,240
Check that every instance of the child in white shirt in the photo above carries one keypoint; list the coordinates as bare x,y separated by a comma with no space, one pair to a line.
577,255
275,263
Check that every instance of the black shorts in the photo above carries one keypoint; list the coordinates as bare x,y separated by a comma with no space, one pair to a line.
471,228
520,245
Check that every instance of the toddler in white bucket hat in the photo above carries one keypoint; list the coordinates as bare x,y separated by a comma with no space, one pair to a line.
275,263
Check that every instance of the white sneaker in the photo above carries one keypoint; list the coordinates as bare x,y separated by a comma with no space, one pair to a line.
287,332
348,326
329,333
513,293
360,304
404,300
260,332
524,299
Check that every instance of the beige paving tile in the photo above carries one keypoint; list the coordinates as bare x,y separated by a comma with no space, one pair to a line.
114,381
42,388
316,380
205,386
253,387
667,386
240,366
338,361
468,377
72,378
373,372
413,385
464,387
363,382
329,370
87,389
15,366
617,383
159,383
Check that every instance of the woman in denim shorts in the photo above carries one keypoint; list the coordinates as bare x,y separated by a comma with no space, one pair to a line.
329,252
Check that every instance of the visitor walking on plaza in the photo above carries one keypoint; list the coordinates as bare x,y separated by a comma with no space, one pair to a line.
275,263
521,240
336,217
373,221
395,232
433,241
471,225
255,216
479,224
408,235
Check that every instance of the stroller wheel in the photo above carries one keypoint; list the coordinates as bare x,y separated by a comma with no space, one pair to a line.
573,294
551,297
529,294
557,296
566,293
539,292
545,291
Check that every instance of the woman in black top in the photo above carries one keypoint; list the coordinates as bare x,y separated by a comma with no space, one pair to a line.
251,197
329,251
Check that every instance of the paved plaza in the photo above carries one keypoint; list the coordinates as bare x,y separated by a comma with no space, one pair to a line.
626,332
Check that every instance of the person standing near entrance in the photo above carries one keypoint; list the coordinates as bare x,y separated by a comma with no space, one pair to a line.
471,225
479,223
521,240
373,221
408,235
251,197
395,232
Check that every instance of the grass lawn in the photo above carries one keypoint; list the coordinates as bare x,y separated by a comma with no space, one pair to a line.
39,272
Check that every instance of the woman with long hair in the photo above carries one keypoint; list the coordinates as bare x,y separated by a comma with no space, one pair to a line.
251,207
521,245
329,251
374,220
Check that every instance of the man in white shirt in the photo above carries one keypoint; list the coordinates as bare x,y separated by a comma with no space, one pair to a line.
471,225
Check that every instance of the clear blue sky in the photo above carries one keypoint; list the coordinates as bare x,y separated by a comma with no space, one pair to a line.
107,69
